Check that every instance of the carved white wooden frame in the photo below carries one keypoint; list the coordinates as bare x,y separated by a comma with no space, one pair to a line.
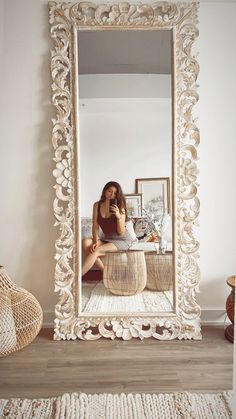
181,18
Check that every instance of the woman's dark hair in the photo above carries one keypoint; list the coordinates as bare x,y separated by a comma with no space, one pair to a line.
121,202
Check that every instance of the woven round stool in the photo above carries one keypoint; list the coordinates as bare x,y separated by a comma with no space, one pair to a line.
159,271
125,272
20,316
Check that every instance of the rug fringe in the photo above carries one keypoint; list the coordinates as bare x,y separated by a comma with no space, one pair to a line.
178,405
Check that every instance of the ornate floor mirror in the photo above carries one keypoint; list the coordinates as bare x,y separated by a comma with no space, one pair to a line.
145,106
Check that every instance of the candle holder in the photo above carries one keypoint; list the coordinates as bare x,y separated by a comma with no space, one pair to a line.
230,302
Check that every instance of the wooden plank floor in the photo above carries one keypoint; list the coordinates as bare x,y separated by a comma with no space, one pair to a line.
49,368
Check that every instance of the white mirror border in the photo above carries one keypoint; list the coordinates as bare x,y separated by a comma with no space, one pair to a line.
65,18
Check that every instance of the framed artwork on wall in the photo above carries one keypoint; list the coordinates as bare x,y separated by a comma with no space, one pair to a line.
155,195
134,205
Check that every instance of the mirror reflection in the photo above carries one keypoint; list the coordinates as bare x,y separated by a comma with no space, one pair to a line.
125,123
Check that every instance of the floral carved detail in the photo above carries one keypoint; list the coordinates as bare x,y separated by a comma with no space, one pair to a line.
87,328
182,18
161,14
188,172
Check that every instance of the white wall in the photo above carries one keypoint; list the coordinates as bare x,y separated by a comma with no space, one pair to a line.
122,140
216,112
27,232
124,85
1,31
125,131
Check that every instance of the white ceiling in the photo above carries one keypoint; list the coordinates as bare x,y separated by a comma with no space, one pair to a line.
114,52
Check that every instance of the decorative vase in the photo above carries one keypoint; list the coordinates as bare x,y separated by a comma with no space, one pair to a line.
125,272
162,244
230,302
20,316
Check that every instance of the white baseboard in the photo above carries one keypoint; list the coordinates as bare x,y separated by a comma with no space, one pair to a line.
208,318
213,317
48,319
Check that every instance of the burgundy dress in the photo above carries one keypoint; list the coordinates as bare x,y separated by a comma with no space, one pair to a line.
109,230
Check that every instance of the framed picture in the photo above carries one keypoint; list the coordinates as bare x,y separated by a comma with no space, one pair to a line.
134,205
155,196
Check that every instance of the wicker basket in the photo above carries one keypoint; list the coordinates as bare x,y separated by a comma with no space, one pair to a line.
20,316
159,271
125,272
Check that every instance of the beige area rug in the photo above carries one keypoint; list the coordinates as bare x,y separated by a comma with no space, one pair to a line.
96,298
121,406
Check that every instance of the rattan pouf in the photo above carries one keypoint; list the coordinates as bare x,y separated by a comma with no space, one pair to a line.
20,316
159,271
125,272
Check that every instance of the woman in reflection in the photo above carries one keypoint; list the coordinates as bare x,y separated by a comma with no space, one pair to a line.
111,217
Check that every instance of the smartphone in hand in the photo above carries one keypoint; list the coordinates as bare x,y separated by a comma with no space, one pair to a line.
112,202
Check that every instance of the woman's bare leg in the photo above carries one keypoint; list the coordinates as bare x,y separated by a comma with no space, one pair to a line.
91,258
86,250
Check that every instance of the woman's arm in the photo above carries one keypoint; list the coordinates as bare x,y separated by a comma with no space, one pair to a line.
120,218
95,227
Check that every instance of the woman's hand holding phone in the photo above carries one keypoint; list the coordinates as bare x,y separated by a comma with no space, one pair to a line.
114,209
112,204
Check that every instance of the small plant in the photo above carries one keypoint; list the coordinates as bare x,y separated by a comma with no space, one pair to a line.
159,223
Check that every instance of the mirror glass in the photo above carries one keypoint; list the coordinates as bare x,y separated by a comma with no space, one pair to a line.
125,136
